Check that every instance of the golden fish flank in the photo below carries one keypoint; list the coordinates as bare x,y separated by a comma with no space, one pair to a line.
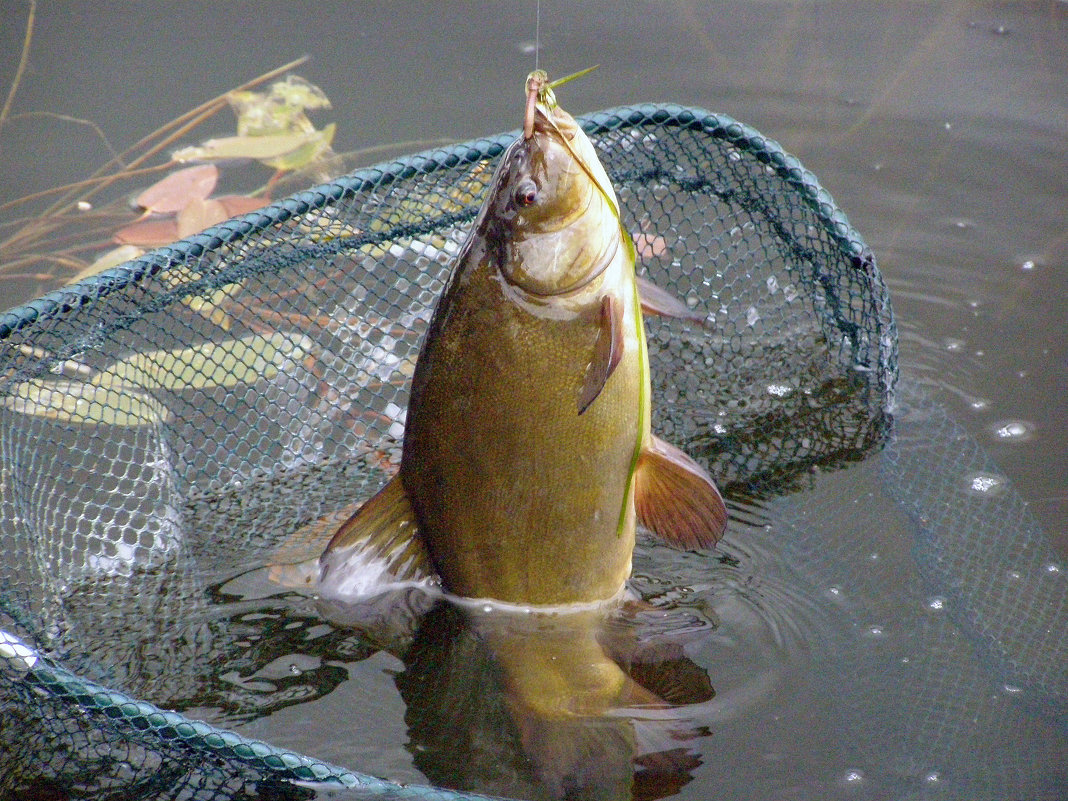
527,456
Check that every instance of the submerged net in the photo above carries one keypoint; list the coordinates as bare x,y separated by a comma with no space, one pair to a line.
173,421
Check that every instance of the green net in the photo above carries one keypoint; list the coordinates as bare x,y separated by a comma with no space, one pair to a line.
170,423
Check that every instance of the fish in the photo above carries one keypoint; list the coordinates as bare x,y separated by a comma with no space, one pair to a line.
528,458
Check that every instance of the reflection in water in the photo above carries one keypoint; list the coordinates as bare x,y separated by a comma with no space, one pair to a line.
538,705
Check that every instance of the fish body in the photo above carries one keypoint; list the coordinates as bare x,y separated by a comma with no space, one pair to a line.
528,457
518,494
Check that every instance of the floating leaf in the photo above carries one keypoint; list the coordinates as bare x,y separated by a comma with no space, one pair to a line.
90,403
318,143
113,258
148,233
198,215
247,147
260,115
242,204
297,92
178,189
211,364
279,111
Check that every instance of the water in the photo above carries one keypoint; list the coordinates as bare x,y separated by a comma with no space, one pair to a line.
939,128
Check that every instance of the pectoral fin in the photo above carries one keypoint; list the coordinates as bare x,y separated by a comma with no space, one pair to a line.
376,546
659,302
606,353
676,499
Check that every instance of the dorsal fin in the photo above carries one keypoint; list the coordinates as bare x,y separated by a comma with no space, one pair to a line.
377,546
676,499
607,351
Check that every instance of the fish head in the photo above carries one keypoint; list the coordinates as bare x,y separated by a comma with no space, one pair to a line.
552,215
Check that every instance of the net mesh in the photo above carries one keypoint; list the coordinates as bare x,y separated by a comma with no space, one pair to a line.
172,421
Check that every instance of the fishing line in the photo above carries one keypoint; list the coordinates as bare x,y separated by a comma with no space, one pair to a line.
537,32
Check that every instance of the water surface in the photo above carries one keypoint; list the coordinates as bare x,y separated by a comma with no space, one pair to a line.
939,128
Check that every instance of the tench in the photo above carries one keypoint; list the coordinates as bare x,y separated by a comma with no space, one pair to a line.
528,457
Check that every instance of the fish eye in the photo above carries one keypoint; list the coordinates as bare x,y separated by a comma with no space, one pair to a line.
526,193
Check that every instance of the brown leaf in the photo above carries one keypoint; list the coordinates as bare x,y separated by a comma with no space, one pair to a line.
148,233
200,214
175,192
242,204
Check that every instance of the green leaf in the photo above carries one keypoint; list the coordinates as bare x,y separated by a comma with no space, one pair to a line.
318,142
248,147
297,92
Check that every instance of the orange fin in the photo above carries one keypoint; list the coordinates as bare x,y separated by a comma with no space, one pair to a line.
661,303
377,546
676,499
606,353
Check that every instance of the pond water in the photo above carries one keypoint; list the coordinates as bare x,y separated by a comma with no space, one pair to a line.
940,128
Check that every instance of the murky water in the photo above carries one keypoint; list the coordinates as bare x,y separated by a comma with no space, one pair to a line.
836,665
